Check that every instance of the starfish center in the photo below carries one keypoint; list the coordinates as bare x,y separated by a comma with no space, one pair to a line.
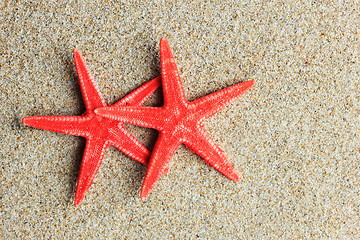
181,120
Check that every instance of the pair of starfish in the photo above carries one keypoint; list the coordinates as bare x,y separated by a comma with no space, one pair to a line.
178,121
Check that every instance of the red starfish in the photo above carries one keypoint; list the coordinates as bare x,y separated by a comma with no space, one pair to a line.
178,121
100,132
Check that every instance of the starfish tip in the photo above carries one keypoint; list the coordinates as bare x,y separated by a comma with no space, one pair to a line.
237,178
76,52
25,121
248,84
79,197
252,82
77,55
30,121
164,43
144,194
77,203
232,175
163,40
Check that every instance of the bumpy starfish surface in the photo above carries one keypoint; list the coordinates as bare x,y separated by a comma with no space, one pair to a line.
178,121
99,132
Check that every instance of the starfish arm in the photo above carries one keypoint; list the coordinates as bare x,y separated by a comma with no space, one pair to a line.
213,103
132,147
73,125
129,145
172,86
150,117
93,156
164,149
91,94
200,143
139,96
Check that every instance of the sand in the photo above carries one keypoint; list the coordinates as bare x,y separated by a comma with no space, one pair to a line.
294,137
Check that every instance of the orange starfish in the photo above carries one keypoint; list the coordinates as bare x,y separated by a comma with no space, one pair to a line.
178,121
100,132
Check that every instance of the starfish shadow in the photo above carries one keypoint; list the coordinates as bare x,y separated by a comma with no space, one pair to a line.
70,71
16,124
74,170
146,136
71,74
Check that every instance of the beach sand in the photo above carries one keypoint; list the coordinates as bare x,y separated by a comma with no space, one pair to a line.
294,137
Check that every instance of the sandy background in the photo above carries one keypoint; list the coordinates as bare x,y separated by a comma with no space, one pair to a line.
294,137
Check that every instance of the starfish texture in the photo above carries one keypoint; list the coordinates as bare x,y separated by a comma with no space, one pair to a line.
99,132
178,121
